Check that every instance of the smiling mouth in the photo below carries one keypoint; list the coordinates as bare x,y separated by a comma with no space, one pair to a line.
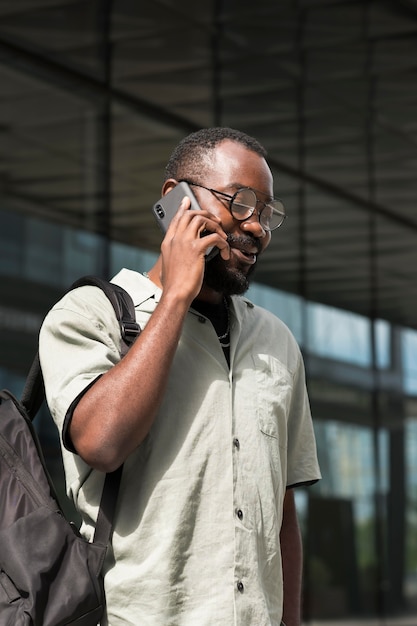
246,255
246,249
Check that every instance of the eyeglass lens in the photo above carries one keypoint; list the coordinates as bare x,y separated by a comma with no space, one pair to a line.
244,203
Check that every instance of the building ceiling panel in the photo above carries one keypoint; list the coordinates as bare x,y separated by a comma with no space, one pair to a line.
328,87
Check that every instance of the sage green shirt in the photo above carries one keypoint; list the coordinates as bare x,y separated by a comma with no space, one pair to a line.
196,539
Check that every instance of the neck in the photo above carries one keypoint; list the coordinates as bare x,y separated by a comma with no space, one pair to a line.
209,295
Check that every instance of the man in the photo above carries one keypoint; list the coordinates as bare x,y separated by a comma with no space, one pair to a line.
208,411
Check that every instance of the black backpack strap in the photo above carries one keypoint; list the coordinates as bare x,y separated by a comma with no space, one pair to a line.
34,392
122,304
104,524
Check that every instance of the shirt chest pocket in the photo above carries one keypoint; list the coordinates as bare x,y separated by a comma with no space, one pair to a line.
274,387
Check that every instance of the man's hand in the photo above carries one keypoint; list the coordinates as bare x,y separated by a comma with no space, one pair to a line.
183,250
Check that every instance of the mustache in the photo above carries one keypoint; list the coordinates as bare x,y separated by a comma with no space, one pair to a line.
244,240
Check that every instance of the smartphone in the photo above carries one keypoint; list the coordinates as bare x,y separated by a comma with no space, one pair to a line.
166,207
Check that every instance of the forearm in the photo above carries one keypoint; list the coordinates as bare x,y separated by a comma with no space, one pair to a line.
116,413
292,559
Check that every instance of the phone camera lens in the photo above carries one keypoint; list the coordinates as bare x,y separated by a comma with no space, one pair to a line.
159,211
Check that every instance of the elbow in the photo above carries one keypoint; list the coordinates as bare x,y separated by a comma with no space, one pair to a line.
102,458
98,452
104,442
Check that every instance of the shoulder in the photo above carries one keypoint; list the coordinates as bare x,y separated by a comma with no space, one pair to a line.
86,312
88,302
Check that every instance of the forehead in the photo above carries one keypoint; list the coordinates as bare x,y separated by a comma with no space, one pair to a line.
233,166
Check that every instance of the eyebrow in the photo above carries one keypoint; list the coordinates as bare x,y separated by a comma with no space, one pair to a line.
237,186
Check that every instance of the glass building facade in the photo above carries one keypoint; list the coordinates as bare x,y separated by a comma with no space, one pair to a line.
93,97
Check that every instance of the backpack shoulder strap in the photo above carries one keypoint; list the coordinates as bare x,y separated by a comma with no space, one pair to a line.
34,392
122,304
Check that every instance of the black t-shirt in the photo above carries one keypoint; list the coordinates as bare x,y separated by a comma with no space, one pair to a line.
218,314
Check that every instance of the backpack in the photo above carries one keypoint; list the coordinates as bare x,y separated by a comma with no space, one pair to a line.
49,574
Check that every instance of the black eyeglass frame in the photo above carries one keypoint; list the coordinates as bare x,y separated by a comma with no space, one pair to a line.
232,198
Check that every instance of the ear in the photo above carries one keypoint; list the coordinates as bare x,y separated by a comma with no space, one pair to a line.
169,184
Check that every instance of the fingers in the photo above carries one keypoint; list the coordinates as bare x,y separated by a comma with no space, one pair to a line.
199,229
184,248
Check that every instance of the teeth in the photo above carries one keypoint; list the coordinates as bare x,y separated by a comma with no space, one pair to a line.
250,255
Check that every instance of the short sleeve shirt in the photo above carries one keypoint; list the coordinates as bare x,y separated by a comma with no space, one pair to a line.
196,537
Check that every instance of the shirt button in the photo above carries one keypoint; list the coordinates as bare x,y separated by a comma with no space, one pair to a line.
236,443
240,586
239,513
202,319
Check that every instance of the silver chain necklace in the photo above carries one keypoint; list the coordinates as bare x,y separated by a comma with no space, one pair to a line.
226,335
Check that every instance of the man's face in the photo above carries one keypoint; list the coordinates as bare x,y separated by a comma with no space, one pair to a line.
235,167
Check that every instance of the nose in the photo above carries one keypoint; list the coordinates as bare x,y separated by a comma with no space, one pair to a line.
253,225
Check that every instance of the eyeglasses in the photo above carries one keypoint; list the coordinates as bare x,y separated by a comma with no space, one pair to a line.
243,204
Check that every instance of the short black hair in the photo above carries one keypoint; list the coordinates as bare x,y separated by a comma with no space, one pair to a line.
192,154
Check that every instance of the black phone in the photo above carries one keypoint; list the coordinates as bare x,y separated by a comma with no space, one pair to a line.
166,207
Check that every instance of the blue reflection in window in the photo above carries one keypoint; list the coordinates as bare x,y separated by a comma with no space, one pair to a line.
338,335
409,355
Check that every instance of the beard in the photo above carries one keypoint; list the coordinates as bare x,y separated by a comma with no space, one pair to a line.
223,277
